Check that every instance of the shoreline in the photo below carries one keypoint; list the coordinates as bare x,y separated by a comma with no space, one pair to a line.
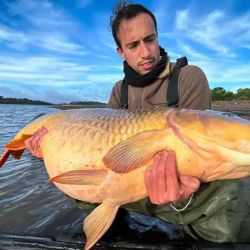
231,105
216,105
228,106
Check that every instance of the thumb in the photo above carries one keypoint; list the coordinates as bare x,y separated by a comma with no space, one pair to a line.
190,183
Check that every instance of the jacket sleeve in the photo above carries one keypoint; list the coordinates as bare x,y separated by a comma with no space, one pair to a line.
194,92
114,99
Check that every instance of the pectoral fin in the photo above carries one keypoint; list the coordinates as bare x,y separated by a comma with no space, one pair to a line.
98,222
14,148
135,151
81,177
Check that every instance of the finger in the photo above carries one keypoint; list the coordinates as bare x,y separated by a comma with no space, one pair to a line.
160,176
153,181
153,178
34,146
43,131
39,142
189,185
38,137
147,184
33,143
190,182
171,168
30,142
172,180
27,143
151,185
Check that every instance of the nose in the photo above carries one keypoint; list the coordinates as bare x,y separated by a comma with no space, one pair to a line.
145,51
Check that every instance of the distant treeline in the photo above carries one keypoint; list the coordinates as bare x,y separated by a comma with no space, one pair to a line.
93,103
220,94
9,100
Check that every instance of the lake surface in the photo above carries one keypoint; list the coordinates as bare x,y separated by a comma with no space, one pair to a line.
32,206
29,204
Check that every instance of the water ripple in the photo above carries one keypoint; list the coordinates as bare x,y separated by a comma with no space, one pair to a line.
29,204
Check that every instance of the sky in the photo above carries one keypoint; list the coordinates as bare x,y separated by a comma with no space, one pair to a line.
61,51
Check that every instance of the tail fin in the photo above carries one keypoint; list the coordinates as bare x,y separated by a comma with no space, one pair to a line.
14,148
4,157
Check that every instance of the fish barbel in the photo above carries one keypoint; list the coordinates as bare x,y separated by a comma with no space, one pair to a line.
100,155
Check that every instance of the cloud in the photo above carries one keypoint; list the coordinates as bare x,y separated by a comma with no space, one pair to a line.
59,43
216,30
9,35
46,69
161,8
41,14
83,3
93,92
229,74
40,25
104,78
52,41
242,24
13,38
181,19
43,71
15,92
191,52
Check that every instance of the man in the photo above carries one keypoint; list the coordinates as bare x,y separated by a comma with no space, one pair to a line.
147,69
147,66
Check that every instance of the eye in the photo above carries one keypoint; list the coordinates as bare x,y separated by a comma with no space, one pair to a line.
150,39
132,45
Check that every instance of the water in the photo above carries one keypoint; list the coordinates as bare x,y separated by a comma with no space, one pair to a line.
29,204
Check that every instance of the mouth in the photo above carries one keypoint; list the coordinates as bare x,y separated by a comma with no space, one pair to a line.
147,65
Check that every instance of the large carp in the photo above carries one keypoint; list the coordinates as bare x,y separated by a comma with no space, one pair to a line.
100,155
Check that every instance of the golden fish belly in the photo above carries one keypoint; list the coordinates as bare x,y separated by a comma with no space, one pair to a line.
80,145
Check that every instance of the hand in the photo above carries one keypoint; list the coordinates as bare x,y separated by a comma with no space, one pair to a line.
162,182
33,143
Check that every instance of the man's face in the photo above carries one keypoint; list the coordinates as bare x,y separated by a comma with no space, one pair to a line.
139,43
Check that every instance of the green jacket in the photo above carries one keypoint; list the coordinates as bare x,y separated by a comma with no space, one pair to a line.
218,212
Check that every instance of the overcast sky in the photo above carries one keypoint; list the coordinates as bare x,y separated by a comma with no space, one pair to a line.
62,50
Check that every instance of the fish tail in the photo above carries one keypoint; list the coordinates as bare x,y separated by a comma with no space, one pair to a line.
14,148
4,157
14,153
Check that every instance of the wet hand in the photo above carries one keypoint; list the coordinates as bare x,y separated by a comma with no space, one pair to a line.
163,183
33,143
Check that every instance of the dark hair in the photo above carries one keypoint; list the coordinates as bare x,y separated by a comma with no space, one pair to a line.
125,11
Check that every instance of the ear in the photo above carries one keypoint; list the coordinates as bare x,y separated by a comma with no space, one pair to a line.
120,52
